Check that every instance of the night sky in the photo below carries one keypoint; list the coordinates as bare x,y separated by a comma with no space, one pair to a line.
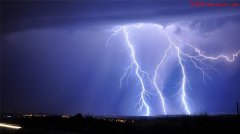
54,57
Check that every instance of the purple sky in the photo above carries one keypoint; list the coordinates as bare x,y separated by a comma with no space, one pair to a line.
54,59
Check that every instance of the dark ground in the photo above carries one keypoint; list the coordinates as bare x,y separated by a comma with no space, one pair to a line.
162,125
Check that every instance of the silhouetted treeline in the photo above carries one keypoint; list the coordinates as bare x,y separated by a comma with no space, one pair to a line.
162,125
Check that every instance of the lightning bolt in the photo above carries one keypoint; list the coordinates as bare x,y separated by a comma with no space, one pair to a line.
138,72
184,76
156,72
205,57
197,58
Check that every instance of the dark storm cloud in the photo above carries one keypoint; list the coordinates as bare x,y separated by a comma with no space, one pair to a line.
27,15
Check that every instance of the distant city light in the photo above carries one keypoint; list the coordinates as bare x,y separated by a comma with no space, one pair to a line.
65,116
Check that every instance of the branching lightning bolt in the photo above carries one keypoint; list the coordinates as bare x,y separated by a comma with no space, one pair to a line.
197,59
138,72
184,77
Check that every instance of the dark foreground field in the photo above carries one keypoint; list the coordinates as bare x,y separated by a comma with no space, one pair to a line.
162,125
